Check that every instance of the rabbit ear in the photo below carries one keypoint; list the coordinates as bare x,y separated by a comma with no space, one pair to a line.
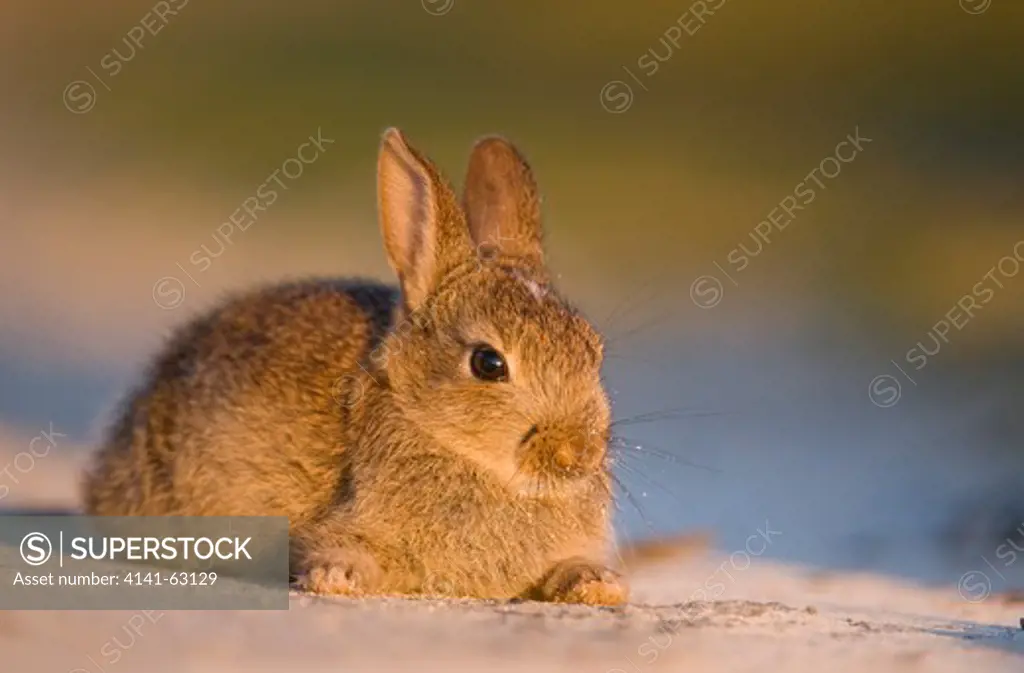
501,203
424,229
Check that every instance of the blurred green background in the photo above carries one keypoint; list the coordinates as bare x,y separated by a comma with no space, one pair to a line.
105,193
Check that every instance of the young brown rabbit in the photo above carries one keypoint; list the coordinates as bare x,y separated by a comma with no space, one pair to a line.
448,438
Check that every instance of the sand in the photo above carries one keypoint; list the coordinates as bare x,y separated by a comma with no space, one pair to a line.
716,611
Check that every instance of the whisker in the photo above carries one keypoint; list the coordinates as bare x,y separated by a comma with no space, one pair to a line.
631,356
632,501
608,491
617,549
514,475
664,415
650,480
521,505
632,300
641,328
619,442
611,494
615,544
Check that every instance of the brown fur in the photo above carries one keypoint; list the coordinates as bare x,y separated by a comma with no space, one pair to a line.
350,408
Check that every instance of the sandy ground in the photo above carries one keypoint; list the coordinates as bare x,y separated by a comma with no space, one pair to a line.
717,611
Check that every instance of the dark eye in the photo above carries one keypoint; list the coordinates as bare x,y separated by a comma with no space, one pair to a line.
487,364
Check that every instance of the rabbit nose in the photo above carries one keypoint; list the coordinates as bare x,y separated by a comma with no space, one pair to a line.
566,456
561,449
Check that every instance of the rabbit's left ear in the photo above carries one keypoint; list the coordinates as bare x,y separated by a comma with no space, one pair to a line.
502,204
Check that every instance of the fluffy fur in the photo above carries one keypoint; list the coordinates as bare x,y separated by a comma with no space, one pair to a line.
351,408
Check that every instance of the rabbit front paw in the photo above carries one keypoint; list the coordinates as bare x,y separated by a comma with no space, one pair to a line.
578,580
340,570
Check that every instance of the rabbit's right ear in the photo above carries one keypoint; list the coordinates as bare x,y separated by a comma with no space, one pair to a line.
502,203
424,229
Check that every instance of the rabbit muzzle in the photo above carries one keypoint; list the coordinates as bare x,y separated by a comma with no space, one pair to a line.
562,452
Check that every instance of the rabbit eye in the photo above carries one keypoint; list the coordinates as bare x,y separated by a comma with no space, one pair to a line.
488,364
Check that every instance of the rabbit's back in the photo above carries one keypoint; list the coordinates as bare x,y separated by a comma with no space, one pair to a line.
242,412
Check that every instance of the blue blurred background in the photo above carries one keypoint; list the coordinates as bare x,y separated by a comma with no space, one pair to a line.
665,136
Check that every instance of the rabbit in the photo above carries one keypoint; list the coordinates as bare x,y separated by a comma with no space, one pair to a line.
447,436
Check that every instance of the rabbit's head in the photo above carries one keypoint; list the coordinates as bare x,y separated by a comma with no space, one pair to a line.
485,357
